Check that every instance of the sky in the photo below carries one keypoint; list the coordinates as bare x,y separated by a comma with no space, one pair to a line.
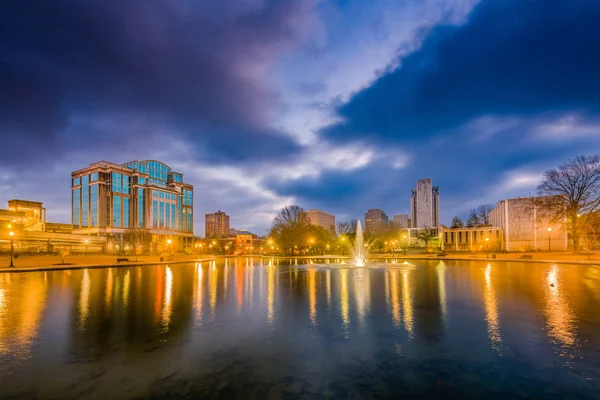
340,105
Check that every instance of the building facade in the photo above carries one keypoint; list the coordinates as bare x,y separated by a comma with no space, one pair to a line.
400,221
111,199
425,205
322,219
525,228
376,221
485,238
217,224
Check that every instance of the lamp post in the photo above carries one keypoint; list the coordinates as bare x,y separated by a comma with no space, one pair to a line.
549,230
169,248
12,249
487,253
405,244
86,247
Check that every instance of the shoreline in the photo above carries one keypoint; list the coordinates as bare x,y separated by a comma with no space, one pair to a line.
59,267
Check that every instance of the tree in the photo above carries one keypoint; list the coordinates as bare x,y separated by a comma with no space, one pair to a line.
457,222
570,195
140,239
426,235
64,251
290,228
479,216
347,228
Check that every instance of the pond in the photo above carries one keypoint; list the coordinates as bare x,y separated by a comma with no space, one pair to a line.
260,328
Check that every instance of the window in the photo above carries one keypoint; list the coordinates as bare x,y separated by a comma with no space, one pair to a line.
154,213
116,211
162,195
125,184
173,219
116,182
140,208
167,215
161,223
76,207
84,200
125,212
94,177
142,181
94,204
76,182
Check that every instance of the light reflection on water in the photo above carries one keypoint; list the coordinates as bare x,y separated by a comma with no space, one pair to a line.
274,321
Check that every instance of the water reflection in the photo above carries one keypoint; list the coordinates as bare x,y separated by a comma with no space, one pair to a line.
560,319
491,310
377,320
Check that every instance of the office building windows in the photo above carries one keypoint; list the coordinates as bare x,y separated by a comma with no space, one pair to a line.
116,211
94,205
140,198
94,177
76,207
84,200
76,181
173,219
154,214
125,188
161,223
125,212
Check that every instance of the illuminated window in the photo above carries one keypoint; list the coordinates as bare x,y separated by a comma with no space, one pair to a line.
116,211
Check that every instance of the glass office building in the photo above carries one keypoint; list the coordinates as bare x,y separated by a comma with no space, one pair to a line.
112,199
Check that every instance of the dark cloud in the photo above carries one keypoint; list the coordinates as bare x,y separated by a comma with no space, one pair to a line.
512,57
197,66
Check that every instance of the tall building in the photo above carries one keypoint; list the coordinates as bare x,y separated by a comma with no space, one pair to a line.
376,221
112,199
425,205
217,224
401,221
321,218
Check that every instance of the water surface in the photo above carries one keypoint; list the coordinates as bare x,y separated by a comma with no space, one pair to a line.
262,328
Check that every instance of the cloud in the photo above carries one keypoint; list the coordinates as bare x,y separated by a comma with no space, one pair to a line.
510,58
198,67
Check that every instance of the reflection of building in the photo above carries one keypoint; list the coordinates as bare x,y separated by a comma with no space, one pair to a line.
425,205
217,224
111,199
400,221
516,225
321,218
376,221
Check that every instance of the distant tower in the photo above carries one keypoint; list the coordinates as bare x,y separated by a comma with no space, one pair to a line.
425,205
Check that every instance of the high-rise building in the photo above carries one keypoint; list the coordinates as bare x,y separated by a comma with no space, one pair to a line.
400,221
425,205
112,199
217,224
321,218
376,221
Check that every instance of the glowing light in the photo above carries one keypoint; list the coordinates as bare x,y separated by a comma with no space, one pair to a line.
84,299
312,295
344,304
167,310
270,292
407,304
491,310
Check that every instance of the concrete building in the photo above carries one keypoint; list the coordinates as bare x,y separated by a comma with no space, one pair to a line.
515,225
376,221
322,219
113,199
400,221
524,228
217,224
425,205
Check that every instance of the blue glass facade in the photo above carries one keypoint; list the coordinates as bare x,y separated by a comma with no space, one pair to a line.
125,212
84,201
140,199
76,207
116,211
154,214
94,205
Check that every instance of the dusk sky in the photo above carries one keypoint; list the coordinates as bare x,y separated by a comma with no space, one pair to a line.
338,105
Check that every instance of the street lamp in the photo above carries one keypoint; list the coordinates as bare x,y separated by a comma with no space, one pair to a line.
487,239
169,248
549,230
12,249
86,247
405,244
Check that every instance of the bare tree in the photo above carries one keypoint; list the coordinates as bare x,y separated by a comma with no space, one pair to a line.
290,228
570,195
457,222
480,216
426,235
347,228
64,251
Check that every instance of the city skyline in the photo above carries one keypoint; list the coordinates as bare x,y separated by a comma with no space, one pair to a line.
340,106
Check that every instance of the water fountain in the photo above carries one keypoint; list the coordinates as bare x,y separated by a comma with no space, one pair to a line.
360,250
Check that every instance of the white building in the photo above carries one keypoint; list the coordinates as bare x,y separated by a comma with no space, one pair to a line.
425,205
